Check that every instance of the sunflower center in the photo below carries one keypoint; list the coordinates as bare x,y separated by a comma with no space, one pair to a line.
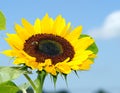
48,46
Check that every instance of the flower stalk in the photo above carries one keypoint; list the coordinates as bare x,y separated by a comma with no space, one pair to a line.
38,85
40,80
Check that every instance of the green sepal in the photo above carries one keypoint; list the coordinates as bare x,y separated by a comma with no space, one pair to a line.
54,78
2,21
92,47
76,73
54,81
11,73
8,87
65,78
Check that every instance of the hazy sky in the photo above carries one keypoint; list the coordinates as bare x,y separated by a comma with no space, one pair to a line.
99,18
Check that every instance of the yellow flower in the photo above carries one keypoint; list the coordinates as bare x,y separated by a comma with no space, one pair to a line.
50,45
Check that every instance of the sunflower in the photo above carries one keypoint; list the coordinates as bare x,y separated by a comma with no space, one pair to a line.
50,45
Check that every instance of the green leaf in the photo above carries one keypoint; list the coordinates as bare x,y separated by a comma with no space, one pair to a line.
92,47
11,73
84,35
2,21
8,87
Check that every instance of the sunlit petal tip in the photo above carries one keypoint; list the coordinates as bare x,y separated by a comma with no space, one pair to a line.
46,16
37,20
8,34
59,17
79,28
25,22
69,24
15,25
37,26
17,28
6,52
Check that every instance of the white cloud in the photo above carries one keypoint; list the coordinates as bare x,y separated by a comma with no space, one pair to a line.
109,29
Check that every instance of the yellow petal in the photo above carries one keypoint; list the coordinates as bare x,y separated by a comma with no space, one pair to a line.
63,68
40,66
20,61
66,30
23,54
84,43
22,33
82,56
13,53
75,34
28,26
50,69
32,64
59,25
86,65
22,57
14,41
75,67
37,26
9,53
46,25
74,62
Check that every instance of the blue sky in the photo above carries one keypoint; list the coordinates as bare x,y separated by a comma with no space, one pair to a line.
93,15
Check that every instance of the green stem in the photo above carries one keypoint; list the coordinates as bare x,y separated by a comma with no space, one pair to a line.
40,80
30,81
